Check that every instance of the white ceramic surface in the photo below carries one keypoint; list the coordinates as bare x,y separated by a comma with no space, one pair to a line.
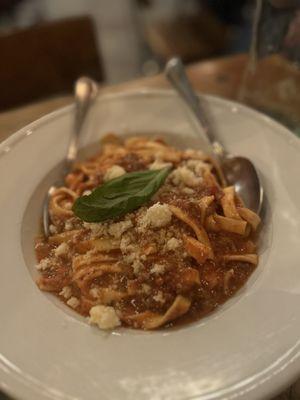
248,349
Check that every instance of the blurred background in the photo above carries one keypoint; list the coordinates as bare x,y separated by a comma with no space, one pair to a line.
46,44
245,50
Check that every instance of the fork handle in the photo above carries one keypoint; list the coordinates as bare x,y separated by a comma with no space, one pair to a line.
176,75
85,91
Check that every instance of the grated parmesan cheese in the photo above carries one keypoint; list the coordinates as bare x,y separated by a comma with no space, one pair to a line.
73,302
172,244
125,244
187,190
131,254
159,164
43,264
157,269
156,216
97,229
137,265
66,292
68,225
52,229
105,317
197,166
183,175
191,153
117,229
159,297
161,237
114,172
94,292
61,250
129,258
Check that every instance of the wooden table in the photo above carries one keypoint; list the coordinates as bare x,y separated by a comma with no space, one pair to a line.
268,88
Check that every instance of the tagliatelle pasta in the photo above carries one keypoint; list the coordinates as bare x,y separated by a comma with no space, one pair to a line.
170,261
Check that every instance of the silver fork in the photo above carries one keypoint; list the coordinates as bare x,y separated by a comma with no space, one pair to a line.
85,91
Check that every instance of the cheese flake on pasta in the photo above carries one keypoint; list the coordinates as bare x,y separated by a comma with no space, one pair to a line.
156,216
114,172
104,316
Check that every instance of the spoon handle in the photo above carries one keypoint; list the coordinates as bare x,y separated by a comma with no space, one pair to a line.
175,73
85,91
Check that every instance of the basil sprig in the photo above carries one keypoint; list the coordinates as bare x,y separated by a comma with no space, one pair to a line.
120,196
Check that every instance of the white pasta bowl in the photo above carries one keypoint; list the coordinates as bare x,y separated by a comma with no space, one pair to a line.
247,349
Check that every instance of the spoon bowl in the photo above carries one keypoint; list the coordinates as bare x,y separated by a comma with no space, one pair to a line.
241,173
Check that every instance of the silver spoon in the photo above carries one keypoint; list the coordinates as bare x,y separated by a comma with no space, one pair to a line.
238,171
85,91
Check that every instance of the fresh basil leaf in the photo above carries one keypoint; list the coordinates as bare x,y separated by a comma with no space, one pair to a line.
120,196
